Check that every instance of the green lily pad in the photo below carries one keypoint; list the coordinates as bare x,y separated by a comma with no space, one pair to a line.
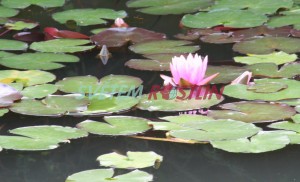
91,85
20,25
269,87
253,112
39,61
116,125
132,160
297,108
62,46
12,45
97,175
256,6
270,70
215,130
228,18
242,91
286,125
88,16
226,73
280,21
3,112
149,64
164,46
268,45
7,12
39,91
50,106
27,78
4,54
150,103
296,118
276,57
157,7
20,4
290,102
264,141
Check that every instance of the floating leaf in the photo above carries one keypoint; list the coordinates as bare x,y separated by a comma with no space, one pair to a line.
164,46
8,95
96,175
220,38
264,141
90,84
279,21
242,91
62,46
286,125
7,12
88,16
228,18
132,160
253,112
21,4
275,57
4,54
296,118
118,37
12,45
38,61
20,25
29,36
268,45
27,78
256,6
157,7
39,91
226,73
290,102
2,113
263,31
54,33
116,125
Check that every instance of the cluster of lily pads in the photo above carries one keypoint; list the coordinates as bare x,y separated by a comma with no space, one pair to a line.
255,28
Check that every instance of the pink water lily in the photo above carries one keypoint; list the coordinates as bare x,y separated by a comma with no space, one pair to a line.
120,23
243,79
188,71
8,95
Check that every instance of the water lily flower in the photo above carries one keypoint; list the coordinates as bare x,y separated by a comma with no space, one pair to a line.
8,95
188,71
120,23
243,79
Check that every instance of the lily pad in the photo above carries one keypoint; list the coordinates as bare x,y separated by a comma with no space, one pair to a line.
270,70
3,112
118,37
227,73
20,4
38,61
62,46
228,18
39,91
50,106
290,102
8,95
20,25
215,130
27,78
116,125
268,45
279,21
276,57
4,54
91,85
263,31
96,175
164,46
253,112
157,7
220,38
256,6
264,141
7,12
242,91
132,160
12,45
88,16
286,125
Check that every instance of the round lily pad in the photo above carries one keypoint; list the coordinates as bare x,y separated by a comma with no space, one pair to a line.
264,141
164,46
220,38
20,4
62,46
253,112
88,16
116,125
228,18
39,61
290,102
103,175
286,125
27,78
12,45
3,112
4,54
242,91
7,12
276,57
268,45
20,25
90,84
39,91
132,160
157,7
280,21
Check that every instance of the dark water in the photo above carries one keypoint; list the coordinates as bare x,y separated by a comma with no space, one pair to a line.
182,162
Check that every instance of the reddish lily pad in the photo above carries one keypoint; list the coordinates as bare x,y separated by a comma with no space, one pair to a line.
263,31
220,38
54,33
29,36
253,112
118,37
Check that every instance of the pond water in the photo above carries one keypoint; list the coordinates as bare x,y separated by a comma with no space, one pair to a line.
182,162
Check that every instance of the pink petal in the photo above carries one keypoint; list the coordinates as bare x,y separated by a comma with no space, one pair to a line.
167,80
242,78
208,79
